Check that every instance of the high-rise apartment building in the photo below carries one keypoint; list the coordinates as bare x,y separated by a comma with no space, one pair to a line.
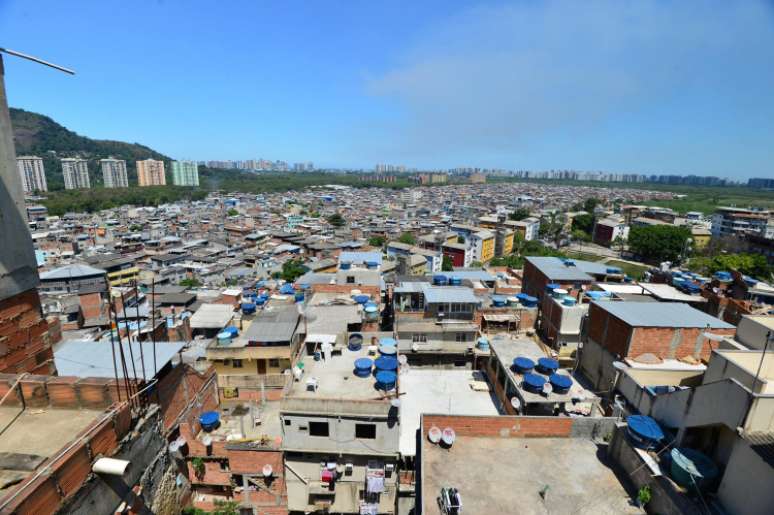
151,173
185,173
32,173
114,173
75,173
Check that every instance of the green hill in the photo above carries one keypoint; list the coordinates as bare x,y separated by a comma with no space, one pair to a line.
36,134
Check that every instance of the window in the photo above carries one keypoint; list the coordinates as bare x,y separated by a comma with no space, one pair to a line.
350,279
367,431
236,363
461,337
274,363
287,421
318,429
419,338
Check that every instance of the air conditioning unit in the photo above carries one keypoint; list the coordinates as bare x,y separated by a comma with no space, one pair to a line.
349,467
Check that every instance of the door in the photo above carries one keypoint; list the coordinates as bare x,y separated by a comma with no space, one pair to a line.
261,366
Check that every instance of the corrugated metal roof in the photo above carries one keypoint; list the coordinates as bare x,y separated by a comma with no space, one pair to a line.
274,325
70,272
555,269
82,358
661,314
458,294
212,316
360,257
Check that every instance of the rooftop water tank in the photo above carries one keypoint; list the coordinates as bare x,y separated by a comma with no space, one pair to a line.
363,367
224,338
569,300
483,344
455,281
561,383
299,296
232,330
388,341
723,276
644,432
692,469
371,312
386,363
361,299
260,301
613,270
529,301
372,264
385,380
533,383
499,302
209,420
559,293
355,341
287,289
388,350
440,280
523,365
345,265
552,286
547,366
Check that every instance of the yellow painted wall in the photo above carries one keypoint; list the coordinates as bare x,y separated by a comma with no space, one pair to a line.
487,249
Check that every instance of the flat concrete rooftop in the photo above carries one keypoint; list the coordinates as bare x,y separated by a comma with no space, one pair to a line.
447,392
38,432
240,421
506,475
336,377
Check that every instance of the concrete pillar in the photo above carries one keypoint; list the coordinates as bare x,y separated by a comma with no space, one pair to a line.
18,266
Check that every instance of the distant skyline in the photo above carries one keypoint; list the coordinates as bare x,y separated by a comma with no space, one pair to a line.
667,87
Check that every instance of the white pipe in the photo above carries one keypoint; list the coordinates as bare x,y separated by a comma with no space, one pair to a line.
110,466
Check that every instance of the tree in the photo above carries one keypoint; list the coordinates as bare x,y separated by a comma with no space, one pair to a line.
476,264
580,236
232,212
519,214
754,265
190,282
658,243
583,223
292,270
447,265
619,243
461,239
590,204
407,238
551,228
376,241
336,220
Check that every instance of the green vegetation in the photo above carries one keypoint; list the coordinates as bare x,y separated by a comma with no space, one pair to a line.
336,220
584,256
519,214
658,242
754,265
583,223
68,201
221,508
447,265
198,466
292,270
527,248
476,264
629,269
644,495
190,282
232,212
376,241
407,238
552,227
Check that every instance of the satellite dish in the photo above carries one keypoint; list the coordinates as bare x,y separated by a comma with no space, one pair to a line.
515,403
448,436
267,470
434,434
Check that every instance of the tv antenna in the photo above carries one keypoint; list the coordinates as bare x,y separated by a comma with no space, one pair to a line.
36,60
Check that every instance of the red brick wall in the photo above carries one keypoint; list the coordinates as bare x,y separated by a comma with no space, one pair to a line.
501,426
180,389
91,305
25,344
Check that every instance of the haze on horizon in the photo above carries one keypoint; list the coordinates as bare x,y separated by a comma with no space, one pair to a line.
641,87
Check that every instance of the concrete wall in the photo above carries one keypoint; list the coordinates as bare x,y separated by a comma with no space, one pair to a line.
746,487
341,434
596,364
18,267
752,331
743,366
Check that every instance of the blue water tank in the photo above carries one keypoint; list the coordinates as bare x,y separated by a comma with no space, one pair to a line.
386,380
455,281
232,330
644,432
248,308
345,265
299,296
547,366
355,342
372,264
613,270
440,280
260,301
533,383
363,367
523,365
388,350
529,301
560,383
209,420
388,341
499,302
569,300
224,338
550,287
483,344
386,363
723,276
287,289
361,299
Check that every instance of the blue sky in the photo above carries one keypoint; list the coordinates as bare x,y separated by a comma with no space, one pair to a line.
652,87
